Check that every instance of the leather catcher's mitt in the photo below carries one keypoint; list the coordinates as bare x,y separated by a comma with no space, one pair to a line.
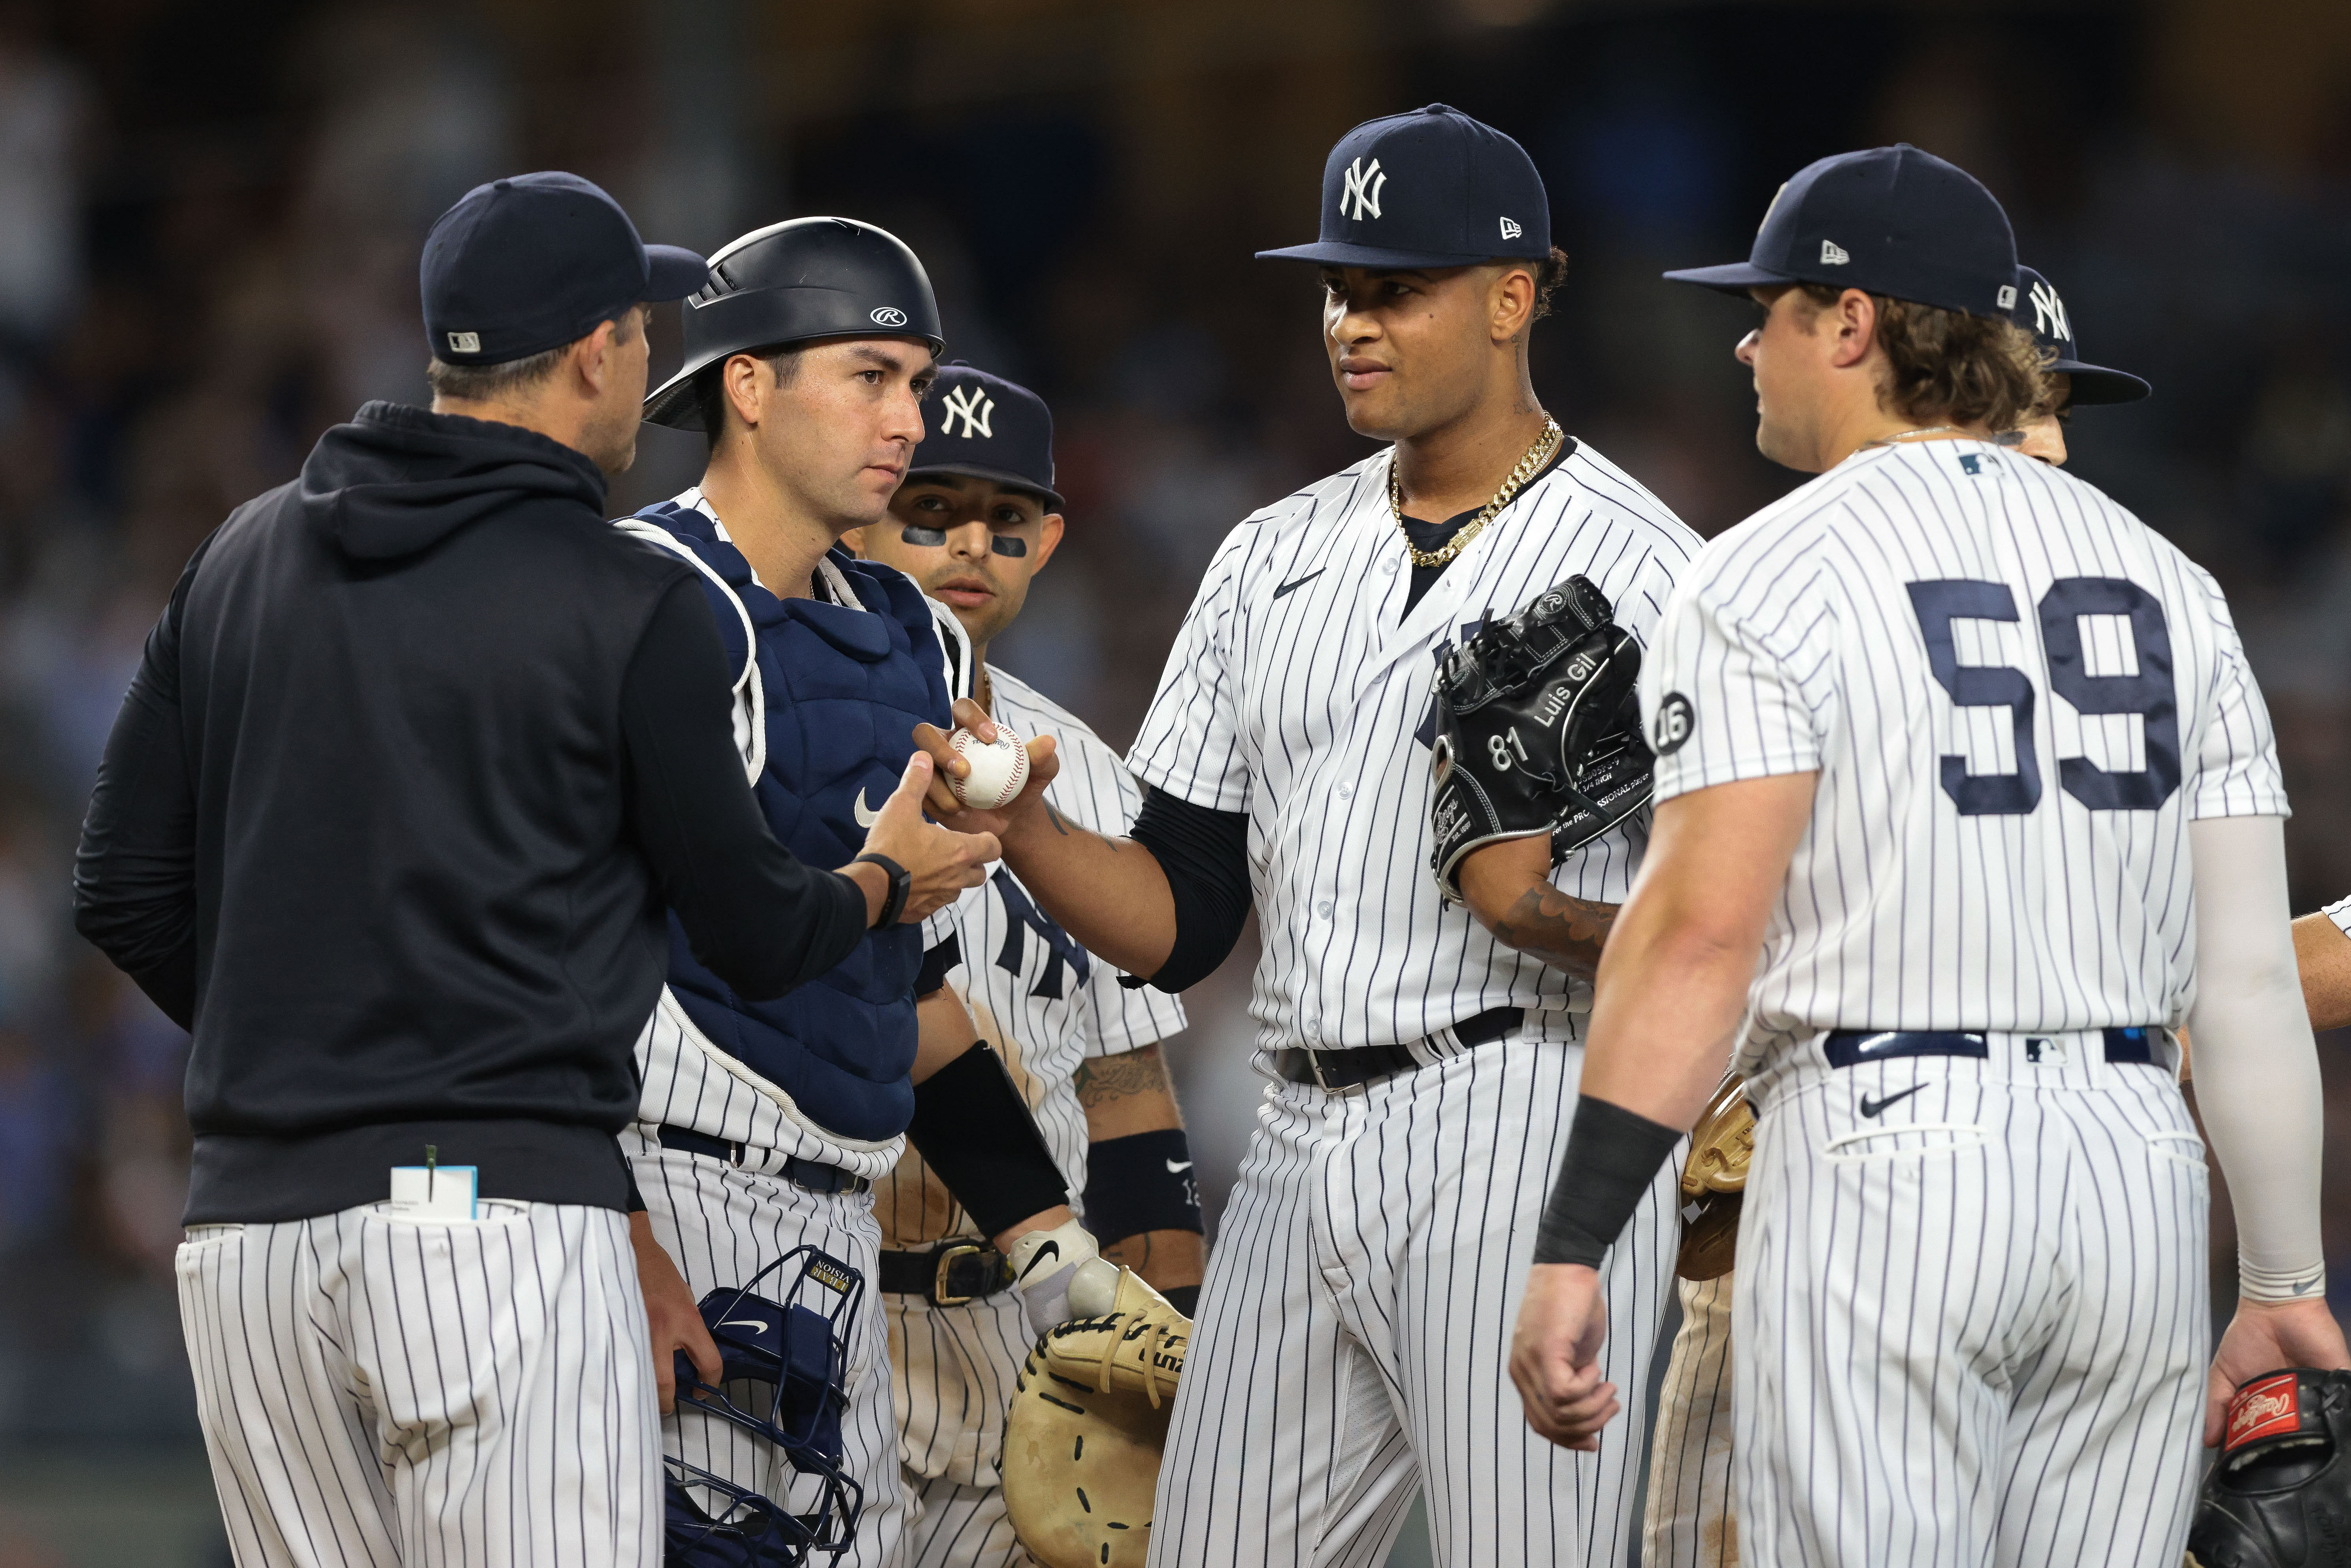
1083,1439
1538,731
1714,1179
2281,1495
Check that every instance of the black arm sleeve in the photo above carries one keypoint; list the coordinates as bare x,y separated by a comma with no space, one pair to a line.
1206,856
135,872
759,918
974,1129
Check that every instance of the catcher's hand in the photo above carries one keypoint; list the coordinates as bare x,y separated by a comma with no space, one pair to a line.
1538,731
1714,1179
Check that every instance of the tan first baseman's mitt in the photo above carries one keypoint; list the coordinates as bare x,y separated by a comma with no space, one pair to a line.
1713,1179
1083,1439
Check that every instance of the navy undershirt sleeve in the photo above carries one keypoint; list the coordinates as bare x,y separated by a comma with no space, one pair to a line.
1204,855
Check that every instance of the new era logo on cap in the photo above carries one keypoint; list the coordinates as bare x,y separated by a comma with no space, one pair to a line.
1511,229
464,343
1834,254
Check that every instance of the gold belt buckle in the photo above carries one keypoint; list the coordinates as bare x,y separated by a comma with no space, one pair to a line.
948,1255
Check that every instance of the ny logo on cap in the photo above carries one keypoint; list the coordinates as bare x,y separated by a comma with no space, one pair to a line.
464,343
975,408
1363,186
2049,313
1832,254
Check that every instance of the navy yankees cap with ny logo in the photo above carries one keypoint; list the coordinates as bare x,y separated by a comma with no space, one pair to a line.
2040,311
1432,188
1892,221
989,428
535,261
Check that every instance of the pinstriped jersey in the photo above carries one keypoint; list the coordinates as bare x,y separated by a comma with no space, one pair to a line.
1300,692
2016,695
1044,1002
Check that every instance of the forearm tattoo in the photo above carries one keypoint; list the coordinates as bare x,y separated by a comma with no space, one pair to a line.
1103,1078
1563,932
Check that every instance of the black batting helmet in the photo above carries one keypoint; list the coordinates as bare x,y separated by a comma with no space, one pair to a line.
798,282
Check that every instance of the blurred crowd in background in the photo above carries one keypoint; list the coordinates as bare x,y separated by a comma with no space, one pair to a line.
209,222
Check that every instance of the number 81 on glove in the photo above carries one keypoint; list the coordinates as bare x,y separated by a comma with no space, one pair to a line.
1538,731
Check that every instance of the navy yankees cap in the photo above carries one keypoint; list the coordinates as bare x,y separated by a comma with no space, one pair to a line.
1432,188
1892,221
989,428
2040,312
535,262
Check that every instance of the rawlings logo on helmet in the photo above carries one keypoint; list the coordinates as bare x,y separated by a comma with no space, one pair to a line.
887,316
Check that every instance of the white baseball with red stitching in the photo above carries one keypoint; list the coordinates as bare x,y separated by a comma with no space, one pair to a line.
998,770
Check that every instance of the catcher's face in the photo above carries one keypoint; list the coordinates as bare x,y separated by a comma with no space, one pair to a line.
970,543
835,426
1411,350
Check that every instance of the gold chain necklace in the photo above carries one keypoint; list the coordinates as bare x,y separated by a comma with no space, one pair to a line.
1531,465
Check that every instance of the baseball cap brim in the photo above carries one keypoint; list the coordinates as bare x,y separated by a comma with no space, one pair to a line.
673,273
1051,498
1730,277
2096,384
1335,253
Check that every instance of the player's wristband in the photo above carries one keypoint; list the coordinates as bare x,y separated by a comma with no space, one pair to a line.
1185,1298
1612,1155
901,886
1141,1182
2271,1287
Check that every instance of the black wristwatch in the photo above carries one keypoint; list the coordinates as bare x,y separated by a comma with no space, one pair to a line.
901,886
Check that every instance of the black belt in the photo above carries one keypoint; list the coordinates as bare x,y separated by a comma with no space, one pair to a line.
813,1174
1855,1047
1347,1069
947,1275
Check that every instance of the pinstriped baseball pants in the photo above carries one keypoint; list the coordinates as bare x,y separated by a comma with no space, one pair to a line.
723,1225
380,1390
1353,1339
1690,1523
1974,1330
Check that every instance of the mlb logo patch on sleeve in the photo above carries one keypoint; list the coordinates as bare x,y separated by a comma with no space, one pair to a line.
2263,1409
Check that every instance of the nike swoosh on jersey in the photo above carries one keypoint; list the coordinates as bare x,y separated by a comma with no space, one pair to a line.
1300,582
754,1324
1049,1250
1175,1169
1873,1107
866,815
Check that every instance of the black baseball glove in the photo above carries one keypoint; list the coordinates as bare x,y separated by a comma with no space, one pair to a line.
1538,731
2281,1495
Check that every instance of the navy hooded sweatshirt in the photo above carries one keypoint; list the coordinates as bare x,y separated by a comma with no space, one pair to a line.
417,755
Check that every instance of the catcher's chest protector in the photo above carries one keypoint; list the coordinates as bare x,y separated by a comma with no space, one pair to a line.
2281,1495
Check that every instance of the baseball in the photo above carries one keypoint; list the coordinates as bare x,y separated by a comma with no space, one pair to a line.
997,771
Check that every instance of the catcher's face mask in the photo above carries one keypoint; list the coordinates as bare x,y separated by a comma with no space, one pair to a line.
786,1356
